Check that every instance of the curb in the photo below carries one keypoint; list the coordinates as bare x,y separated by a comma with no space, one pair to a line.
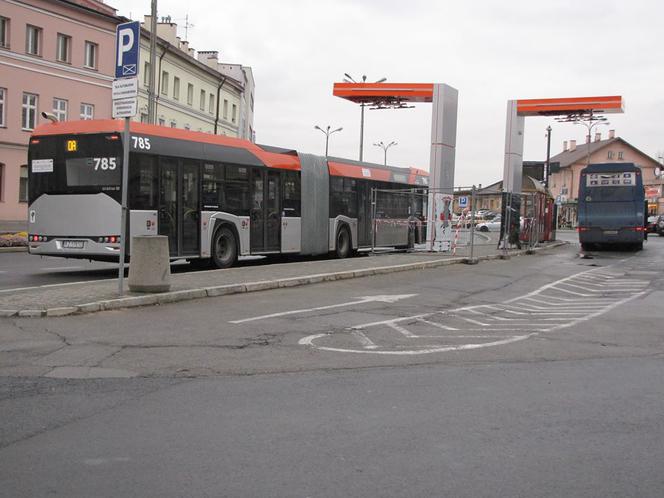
224,290
14,249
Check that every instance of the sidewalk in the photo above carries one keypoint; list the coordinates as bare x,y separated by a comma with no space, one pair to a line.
92,296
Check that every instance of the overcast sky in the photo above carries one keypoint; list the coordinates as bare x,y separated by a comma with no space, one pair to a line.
491,51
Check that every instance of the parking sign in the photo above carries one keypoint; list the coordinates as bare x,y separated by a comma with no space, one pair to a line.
463,201
127,43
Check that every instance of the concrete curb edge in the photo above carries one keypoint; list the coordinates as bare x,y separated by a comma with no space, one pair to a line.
224,290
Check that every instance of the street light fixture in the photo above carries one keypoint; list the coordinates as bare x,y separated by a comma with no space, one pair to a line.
327,133
385,147
590,121
349,79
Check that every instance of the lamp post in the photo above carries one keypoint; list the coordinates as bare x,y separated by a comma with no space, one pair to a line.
385,147
349,79
327,133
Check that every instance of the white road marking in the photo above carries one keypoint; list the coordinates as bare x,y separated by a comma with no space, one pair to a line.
58,268
47,286
539,311
364,340
365,299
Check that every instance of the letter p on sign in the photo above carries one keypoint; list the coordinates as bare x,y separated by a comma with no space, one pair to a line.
127,43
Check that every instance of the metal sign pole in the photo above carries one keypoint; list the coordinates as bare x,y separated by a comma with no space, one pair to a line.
472,224
123,220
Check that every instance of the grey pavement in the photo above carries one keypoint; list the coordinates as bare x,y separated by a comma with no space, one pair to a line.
90,296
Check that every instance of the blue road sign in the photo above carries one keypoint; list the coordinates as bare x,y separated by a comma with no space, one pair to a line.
463,201
127,44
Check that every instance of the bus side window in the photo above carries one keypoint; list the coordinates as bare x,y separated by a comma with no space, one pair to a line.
237,190
291,193
213,187
336,196
142,182
350,197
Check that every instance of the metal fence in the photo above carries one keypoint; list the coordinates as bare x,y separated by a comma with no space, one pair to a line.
469,222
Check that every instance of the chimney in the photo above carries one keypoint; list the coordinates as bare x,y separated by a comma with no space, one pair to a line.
612,134
564,145
572,145
598,136
587,139
209,58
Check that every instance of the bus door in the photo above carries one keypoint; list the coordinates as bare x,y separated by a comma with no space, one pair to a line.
363,213
265,211
179,215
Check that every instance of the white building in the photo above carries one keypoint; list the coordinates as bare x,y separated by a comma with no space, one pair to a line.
192,92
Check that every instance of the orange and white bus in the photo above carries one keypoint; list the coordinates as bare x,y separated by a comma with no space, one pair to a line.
214,197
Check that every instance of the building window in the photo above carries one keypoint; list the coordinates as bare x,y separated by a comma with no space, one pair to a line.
91,55
144,117
2,178
190,94
609,155
211,107
162,121
187,127
146,74
164,82
87,111
33,36
176,88
63,48
225,109
173,123
29,112
620,155
60,109
3,97
234,116
4,32
23,184
202,106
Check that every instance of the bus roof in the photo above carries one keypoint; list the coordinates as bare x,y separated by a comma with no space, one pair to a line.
270,156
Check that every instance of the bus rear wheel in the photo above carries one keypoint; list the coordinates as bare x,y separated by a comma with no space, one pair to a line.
224,248
343,246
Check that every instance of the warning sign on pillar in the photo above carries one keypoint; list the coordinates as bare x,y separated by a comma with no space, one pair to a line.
442,240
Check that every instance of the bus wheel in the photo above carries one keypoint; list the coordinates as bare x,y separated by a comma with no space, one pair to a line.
224,248
343,246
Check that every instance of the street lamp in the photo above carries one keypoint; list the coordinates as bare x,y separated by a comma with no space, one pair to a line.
349,79
327,133
385,147
547,171
590,121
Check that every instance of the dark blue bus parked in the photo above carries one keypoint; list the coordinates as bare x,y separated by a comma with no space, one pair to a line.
611,206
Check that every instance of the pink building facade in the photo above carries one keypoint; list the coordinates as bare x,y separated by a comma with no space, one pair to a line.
56,57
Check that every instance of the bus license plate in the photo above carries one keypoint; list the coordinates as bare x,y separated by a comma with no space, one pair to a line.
611,232
73,244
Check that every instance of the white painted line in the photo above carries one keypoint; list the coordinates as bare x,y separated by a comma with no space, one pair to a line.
364,340
598,313
308,341
48,286
58,268
571,292
363,300
435,324
403,331
476,322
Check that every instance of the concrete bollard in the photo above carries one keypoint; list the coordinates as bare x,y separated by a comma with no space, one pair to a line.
149,265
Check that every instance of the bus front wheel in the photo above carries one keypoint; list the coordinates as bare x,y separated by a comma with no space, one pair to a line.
224,248
343,245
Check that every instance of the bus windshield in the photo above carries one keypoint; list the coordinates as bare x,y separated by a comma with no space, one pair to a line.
85,164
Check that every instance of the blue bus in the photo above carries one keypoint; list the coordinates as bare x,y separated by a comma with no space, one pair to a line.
611,206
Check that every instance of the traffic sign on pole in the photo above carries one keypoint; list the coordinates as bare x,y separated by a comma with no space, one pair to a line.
463,201
125,104
127,44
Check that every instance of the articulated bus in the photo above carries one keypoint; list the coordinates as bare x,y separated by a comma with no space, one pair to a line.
611,206
214,197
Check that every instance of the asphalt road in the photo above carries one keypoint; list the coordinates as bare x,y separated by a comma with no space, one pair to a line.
536,376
